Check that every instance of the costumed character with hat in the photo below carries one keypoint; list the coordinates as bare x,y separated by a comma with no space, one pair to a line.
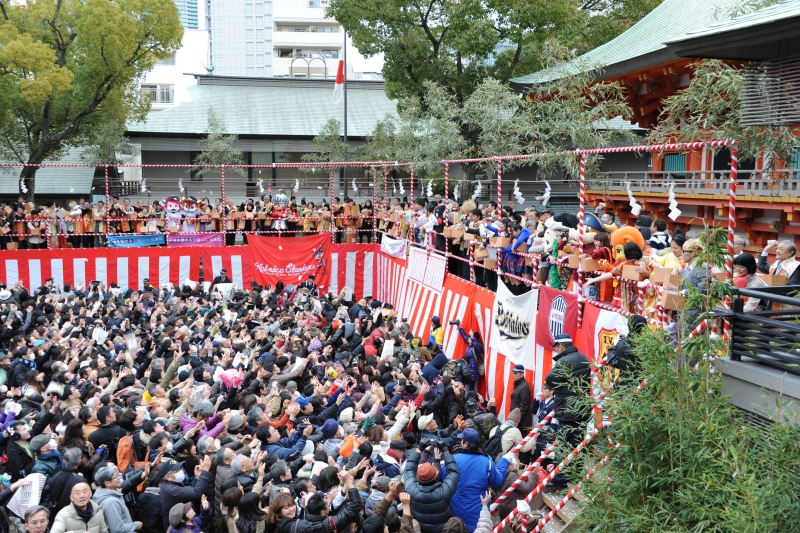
190,214
172,212
279,211
628,248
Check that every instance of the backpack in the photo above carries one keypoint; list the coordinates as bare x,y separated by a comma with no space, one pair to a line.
451,369
126,458
494,446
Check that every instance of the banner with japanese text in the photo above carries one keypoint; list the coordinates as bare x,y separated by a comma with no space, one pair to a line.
177,240
290,260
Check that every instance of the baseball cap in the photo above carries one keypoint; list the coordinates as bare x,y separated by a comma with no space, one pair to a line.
470,435
518,369
423,421
170,466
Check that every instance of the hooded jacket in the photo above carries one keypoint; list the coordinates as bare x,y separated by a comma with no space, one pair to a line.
116,512
430,503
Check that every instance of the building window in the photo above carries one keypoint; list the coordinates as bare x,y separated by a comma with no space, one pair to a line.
249,59
259,47
259,9
167,60
250,71
314,3
249,34
158,94
259,21
675,162
249,21
260,71
330,54
248,9
249,47
260,59
259,34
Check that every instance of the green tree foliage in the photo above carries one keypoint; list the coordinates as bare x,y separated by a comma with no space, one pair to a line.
710,108
688,461
458,43
219,150
67,67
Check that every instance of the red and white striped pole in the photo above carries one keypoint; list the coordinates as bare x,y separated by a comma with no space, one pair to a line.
472,265
386,189
411,191
375,209
332,177
581,229
522,477
224,209
108,206
726,327
446,194
499,190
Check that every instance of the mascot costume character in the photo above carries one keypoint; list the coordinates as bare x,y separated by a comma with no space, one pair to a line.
280,210
190,213
627,293
172,212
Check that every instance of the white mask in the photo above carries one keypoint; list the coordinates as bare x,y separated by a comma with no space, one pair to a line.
169,446
53,444
180,477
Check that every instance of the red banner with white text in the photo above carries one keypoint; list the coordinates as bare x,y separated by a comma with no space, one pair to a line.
291,261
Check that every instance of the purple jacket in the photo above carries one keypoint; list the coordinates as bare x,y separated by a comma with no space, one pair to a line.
214,426
199,523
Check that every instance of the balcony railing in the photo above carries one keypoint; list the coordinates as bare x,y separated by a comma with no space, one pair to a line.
770,337
760,183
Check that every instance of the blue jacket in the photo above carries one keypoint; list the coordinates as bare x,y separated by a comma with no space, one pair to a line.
524,235
478,473
286,447
431,370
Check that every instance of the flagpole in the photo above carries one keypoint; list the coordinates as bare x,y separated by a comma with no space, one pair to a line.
344,50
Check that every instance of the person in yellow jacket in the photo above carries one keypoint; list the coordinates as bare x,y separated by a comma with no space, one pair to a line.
437,333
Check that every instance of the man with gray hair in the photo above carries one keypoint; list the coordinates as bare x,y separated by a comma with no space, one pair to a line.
110,499
738,245
224,457
785,264
59,493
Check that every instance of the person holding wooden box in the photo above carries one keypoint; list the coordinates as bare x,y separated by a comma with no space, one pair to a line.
512,262
697,275
744,270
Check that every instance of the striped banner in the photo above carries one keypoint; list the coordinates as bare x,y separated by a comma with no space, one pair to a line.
351,265
458,299
127,267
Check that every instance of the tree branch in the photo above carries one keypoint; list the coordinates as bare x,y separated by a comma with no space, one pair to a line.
3,9
515,61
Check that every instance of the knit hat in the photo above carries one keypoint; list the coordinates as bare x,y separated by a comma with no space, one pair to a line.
347,415
427,473
515,415
39,441
177,513
329,428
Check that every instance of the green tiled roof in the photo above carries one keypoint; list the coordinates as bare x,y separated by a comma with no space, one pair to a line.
274,107
52,180
670,20
783,10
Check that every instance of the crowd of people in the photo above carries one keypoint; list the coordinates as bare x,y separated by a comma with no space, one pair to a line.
276,410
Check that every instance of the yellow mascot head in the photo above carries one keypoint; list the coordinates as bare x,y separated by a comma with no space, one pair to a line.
625,235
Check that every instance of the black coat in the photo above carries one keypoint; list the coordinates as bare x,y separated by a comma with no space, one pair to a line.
569,378
58,494
430,503
149,507
20,462
521,399
108,434
345,516
172,493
